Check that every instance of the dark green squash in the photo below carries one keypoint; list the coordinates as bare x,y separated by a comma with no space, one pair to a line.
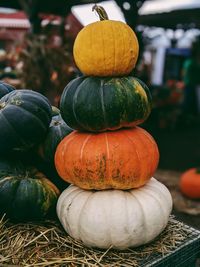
58,129
25,116
5,88
49,170
100,104
25,193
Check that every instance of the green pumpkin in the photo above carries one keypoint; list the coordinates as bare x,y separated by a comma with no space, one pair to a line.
58,129
49,170
25,193
5,88
25,116
100,104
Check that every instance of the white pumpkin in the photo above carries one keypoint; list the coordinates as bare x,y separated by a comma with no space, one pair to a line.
115,218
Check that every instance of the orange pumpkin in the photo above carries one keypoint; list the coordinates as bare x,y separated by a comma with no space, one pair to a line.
190,183
122,159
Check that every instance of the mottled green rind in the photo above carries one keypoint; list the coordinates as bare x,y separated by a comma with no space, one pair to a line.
57,131
25,194
25,116
99,104
5,88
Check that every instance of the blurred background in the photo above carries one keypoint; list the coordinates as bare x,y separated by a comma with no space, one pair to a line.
36,42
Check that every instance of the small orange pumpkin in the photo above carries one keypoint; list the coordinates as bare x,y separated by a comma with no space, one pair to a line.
106,48
122,159
190,183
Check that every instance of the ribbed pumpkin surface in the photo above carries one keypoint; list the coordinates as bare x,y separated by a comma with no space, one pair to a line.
117,218
5,88
122,159
100,104
57,131
106,48
25,116
25,193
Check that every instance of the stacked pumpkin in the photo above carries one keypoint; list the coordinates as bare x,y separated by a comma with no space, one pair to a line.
114,201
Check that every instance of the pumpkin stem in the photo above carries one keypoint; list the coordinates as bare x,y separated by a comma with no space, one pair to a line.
198,170
100,11
2,105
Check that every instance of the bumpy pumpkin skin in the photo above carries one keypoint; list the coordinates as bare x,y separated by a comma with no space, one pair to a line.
122,159
5,88
58,129
190,183
25,193
115,218
100,104
106,48
25,116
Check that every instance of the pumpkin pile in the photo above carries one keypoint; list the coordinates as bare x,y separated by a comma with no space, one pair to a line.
25,121
114,201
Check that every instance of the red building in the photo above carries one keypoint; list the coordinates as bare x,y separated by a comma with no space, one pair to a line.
14,25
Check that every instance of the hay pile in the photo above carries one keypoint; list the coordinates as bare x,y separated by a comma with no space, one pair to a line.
46,244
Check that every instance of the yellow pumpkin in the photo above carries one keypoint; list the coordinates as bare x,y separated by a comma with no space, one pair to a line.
106,47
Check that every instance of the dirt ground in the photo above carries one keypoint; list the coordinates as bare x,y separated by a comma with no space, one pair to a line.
185,210
179,151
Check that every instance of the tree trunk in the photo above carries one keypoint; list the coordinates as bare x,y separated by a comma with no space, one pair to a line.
31,8
130,10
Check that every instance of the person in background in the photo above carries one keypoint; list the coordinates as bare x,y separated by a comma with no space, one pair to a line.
191,79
